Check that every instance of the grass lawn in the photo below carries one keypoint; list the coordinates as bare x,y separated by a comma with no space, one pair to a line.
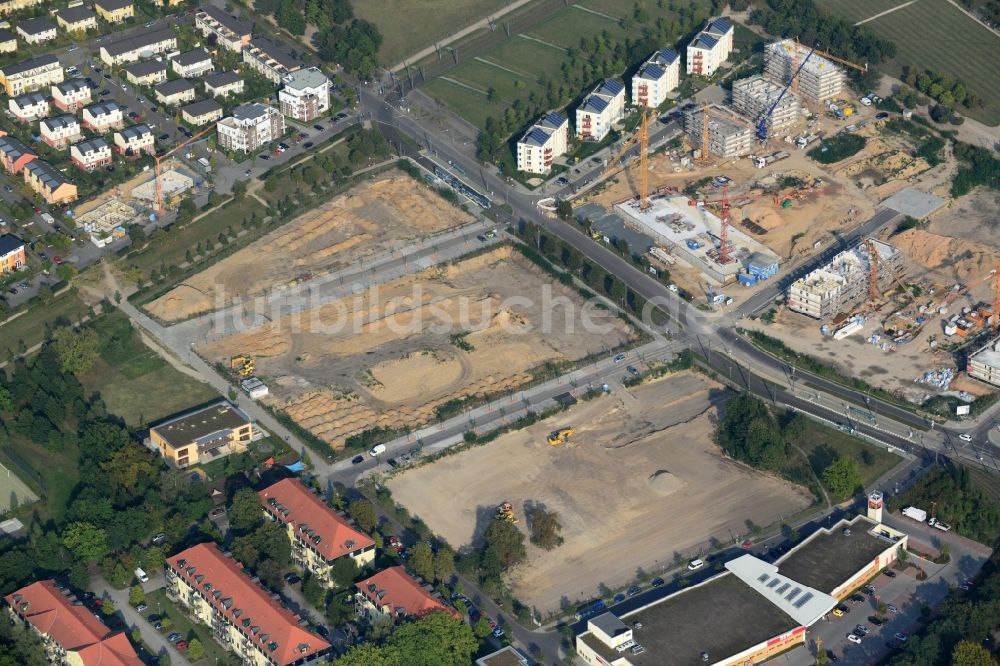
31,327
52,474
858,10
470,105
565,28
159,604
146,387
823,444
938,36
410,25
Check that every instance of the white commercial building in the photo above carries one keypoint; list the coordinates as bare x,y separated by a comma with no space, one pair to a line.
250,127
710,47
655,78
305,95
543,142
600,110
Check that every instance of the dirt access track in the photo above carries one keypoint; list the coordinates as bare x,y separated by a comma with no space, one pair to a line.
639,481
370,219
388,356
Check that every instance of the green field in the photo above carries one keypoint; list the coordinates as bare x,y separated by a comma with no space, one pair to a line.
410,25
31,327
934,34
515,67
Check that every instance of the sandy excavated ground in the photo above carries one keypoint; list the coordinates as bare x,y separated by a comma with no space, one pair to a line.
640,480
386,357
371,218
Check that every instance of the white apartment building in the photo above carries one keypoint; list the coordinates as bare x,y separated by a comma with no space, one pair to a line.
192,63
305,95
230,33
131,49
271,60
29,106
37,30
91,154
600,110
31,74
146,72
60,131
250,127
134,141
710,47
103,116
546,140
223,84
174,92
657,76
71,95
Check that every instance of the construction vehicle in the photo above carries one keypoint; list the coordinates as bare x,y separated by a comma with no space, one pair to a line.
505,512
560,436
244,365
766,116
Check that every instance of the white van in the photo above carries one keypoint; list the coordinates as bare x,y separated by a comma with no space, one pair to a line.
377,450
141,575
695,565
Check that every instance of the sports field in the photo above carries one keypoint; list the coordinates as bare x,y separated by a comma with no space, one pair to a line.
516,67
13,491
935,34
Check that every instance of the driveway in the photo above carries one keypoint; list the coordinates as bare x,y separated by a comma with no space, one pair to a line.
151,637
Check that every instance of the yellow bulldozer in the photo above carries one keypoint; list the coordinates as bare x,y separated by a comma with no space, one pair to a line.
244,365
560,436
505,512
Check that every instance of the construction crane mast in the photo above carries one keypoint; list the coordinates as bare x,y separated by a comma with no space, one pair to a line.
642,137
996,299
159,158
762,122
873,271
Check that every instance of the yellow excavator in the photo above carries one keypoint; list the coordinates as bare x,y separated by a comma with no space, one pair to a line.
560,436
505,512
244,365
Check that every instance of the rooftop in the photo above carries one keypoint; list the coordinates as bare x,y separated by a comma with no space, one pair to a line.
60,122
201,107
610,87
28,65
12,147
278,53
711,617
536,136
91,145
310,77
139,42
202,423
594,103
396,588
145,67
9,243
72,627
50,176
651,71
173,87
828,559
7,36
703,41
846,266
802,603
136,131
719,26
37,25
332,536
76,14
228,21
219,79
245,604
552,120
30,99
665,56
102,108
251,111
72,85
789,48
112,5
505,656
192,57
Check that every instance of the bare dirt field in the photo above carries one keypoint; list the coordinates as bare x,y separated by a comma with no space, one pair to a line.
639,481
370,219
388,356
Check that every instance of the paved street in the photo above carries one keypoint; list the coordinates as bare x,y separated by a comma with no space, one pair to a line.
156,641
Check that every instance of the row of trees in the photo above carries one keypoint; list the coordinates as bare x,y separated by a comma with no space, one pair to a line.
977,166
435,640
941,89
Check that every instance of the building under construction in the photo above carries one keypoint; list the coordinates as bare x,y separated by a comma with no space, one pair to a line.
753,97
819,80
844,282
728,135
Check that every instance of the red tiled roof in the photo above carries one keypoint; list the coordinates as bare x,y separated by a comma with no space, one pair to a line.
245,604
72,627
305,510
395,588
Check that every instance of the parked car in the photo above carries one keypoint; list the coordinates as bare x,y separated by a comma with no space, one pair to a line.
318,127
182,645
498,632
632,371
158,626
854,638
292,578
357,460
831,656
694,565
900,636
308,144
619,358
141,607
164,137
174,637
159,538
857,598
878,622
862,630
892,608
656,582
620,597
634,590
841,610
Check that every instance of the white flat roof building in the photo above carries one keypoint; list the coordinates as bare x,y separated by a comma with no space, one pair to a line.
250,127
819,80
655,78
546,140
305,94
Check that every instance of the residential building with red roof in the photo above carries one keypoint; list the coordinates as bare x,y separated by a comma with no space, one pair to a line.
244,618
319,535
396,594
71,633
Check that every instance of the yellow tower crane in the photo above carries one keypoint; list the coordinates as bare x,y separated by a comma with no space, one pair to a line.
642,137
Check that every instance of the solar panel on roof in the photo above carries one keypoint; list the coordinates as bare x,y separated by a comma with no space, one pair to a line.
804,600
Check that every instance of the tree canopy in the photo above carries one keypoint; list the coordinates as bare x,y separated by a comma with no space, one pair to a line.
434,640
843,477
749,432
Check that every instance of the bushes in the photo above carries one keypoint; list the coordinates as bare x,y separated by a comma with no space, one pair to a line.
836,148
978,167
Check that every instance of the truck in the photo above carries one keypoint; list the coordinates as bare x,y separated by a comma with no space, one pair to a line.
914,513
804,141
376,450
205,164
937,524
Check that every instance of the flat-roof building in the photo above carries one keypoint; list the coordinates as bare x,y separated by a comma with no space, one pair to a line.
844,282
599,110
244,617
250,127
753,97
752,611
275,62
202,435
318,533
544,141
819,80
728,135
984,364
305,95
192,63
